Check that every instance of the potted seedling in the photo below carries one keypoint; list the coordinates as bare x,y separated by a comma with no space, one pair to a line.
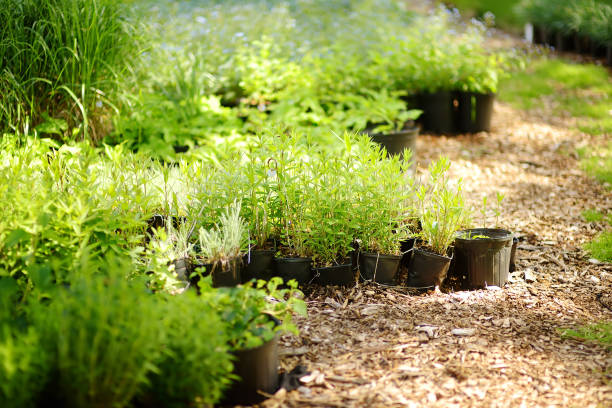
482,255
384,117
293,260
169,257
382,203
221,247
441,212
254,315
329,221
260,207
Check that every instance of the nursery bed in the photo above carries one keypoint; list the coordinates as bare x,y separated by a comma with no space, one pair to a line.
369,346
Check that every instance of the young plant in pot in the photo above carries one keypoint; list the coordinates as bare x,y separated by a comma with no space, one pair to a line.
168,259
254,315
483,255
293,259
328,234
222,247
384,117
380,213
441,212
260,208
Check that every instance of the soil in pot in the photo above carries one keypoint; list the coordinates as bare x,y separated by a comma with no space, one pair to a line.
396,142
259,264
474,111
338,275
485,259
438,112
427,269
379,268
229,276
294,268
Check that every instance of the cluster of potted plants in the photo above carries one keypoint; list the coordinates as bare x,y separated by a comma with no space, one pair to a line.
301,211
583,26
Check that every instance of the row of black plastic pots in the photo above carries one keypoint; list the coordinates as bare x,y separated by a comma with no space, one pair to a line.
453,112
572,42
480,257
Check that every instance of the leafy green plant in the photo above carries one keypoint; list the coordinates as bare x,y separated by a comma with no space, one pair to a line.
327,225
383,208
442,210
599,333
195,363
103,338
379,111
247,310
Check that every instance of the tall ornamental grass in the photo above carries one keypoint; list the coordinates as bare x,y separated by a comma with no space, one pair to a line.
61,62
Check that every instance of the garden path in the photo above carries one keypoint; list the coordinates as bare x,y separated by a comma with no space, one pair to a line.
378,347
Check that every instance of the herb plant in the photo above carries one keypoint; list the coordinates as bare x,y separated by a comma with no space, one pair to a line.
442,210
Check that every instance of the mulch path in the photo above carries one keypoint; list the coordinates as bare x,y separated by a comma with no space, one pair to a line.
370,346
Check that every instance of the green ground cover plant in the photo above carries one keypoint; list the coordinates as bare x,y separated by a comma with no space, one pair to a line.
599,333
581,90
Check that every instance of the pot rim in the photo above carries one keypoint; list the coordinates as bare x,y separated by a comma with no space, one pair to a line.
499,235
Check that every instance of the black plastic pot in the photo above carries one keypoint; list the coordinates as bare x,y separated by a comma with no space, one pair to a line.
181,267
294,268
540,35
338,275
427,269
228,276
474,111
513,254
257,369
484,261
438,112
379,268
563,41
396,142
259,264
406,247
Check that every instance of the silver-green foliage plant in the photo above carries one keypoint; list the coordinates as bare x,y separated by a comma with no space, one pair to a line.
168,245
442,209
103,338
225,242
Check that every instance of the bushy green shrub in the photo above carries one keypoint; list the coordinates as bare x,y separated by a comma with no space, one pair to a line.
103,337
23,360
195,363
23,366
